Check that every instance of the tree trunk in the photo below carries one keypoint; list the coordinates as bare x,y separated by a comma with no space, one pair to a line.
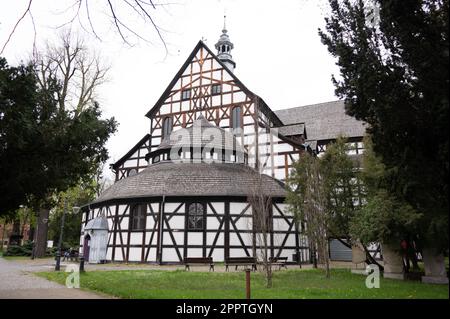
3,236
269,275
326,257
41,233
314,257
31,233
434,267
16,227
268,264
24,225
393,263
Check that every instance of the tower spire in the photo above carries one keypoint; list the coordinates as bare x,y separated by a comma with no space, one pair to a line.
224,47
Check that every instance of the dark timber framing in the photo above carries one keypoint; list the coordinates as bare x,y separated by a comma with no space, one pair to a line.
161,227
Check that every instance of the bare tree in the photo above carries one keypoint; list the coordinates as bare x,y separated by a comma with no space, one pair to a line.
315,213
261,205
79,71
307,198
101,182
123,15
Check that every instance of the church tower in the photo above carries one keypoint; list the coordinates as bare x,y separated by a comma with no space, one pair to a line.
224,47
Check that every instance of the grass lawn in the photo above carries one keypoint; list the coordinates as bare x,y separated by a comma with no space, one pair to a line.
312,284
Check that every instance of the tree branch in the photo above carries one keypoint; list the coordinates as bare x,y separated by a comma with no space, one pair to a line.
15,26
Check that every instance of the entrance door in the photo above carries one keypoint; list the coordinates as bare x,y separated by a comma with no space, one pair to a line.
86,247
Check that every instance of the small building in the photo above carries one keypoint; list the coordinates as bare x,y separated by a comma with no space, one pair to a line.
95,240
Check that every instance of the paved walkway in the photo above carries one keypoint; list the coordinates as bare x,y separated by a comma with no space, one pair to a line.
17,282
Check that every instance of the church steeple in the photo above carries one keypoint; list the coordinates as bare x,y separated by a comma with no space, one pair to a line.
224,47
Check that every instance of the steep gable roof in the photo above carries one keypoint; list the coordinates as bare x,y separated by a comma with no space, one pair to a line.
199,45
130,152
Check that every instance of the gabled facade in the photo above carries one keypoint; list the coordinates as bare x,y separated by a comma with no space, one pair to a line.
205,85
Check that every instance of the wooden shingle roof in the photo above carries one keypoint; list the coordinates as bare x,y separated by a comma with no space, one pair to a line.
193,179
200,134
323,121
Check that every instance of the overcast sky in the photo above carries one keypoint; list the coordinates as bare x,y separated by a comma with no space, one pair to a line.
277,50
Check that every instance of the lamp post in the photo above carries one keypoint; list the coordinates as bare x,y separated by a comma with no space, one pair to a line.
58,253
76,210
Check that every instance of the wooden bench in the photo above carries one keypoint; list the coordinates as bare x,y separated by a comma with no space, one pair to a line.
195,261
278,261
71,255
240,261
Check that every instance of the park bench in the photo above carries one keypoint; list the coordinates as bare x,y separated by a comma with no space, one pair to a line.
72,256
278,261
195,261
240,261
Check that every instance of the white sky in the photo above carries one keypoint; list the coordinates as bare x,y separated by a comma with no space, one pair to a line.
277,49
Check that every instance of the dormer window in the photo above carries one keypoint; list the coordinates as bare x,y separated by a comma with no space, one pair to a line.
216,89
132,172
186,94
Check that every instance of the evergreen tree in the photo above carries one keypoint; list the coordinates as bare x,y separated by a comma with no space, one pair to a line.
394,76
383,218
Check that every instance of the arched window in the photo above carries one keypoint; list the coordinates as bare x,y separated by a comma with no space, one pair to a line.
137,218
167,127
196,216
236,118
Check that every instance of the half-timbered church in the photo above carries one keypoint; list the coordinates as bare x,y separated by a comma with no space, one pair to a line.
183,190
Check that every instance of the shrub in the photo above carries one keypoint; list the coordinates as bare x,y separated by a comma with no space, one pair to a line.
15,250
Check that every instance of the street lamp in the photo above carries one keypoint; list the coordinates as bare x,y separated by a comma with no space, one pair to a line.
75,209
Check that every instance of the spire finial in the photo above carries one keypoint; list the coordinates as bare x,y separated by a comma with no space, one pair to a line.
224,23
224,46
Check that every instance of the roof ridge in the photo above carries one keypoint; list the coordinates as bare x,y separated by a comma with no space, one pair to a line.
305,105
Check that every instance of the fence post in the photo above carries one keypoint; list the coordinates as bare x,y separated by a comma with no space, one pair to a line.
247,283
